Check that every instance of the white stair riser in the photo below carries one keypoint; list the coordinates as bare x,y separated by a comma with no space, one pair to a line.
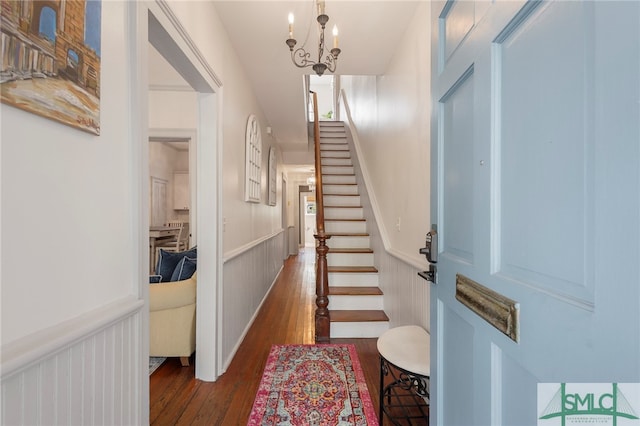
345,227
341,200
338,170
368,302
354,330
340,189
349,259
343,213
332,143
336,161
339,179
343,147
350,279
339,241
327,153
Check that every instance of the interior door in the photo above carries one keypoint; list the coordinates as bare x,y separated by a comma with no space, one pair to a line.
158,201
535,139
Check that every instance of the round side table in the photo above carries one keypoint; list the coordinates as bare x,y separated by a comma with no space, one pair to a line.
404,355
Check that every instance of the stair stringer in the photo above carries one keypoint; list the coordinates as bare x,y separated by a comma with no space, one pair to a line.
397,276
376,241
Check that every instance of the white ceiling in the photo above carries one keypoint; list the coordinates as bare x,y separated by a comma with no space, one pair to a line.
369,35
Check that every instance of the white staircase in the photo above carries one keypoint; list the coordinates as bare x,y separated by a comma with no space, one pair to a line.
355,300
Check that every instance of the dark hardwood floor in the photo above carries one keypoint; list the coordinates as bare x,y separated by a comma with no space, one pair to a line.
286,317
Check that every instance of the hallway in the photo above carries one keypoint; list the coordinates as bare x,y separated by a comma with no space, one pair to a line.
286,317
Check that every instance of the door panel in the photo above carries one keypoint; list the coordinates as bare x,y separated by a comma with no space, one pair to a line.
459,367
518,392
536,195
456,110
543,177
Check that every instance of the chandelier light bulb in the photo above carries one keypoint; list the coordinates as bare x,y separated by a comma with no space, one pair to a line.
290,25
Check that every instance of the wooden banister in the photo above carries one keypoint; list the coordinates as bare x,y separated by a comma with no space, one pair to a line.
322,316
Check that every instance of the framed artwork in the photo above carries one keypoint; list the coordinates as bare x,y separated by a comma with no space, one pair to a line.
273,176
253,161
51,59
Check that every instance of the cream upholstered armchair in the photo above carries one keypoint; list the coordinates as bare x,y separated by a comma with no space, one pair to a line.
172,319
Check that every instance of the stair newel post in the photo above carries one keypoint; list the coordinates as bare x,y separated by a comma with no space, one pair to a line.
322,315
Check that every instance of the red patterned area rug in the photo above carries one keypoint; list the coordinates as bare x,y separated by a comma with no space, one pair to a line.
314,385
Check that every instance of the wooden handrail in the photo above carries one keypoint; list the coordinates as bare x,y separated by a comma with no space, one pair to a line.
322,316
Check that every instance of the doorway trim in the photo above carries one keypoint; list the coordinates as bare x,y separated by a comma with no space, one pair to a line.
191,136
155,23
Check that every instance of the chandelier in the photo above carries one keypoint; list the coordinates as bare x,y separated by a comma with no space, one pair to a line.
301,58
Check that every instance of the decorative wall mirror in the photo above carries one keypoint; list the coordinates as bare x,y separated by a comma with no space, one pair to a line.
273,177
253,161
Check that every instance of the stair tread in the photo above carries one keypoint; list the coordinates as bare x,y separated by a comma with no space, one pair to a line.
358,316
348,234
345,220
354,269
355,291
343,184
342,207
349,250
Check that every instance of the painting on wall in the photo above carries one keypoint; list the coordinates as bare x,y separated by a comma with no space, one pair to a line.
51,59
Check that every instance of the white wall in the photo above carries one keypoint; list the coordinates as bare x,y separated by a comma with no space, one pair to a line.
392,114
246,223
67,204
70,216
72,318
248,227
170,109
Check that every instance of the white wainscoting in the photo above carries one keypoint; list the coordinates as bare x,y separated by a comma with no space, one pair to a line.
248,276
406,295
86,371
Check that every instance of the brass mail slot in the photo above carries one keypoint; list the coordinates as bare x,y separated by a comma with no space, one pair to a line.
496,309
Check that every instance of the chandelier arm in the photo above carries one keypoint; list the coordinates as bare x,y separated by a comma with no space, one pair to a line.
301,58
330,62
